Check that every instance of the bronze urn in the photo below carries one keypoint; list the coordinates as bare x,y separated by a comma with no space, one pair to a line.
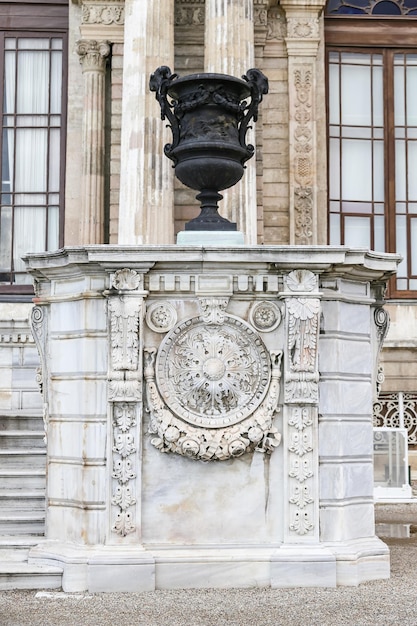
209,116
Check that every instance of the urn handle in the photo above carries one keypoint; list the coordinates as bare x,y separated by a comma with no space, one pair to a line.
258,84
160,82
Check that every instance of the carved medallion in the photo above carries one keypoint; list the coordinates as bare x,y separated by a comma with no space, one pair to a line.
213,375
265,316
161,317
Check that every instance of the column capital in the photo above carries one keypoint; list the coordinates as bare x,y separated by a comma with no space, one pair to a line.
93,54
303,27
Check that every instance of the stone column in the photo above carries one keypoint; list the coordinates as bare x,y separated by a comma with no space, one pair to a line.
229,49
93,58
307,121
146,177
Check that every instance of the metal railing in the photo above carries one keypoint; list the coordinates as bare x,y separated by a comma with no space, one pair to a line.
397,410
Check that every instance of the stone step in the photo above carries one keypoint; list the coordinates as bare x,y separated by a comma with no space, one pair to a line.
17,575
17,478
20,499
24,421
15,458
22,522
16,547
22,439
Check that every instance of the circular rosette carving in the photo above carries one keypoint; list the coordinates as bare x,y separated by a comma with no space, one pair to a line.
265,316
161,317
210,442
213,375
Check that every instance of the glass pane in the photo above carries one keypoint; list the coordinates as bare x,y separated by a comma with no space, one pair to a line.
33,43
379,178
32,121
9,82
55,120
377,96
412,207
334,238
30,199
413,236
358,232
356,58
357,207
356,170
31,158
7,160
334,169
400,207
33,82
53,198
401,243
54,158
334,100
53,228
56,81
413,284
56,44
356,94
400,171
29,233
399,92
411,95
10,43
356,132
411,170
5,240
379,233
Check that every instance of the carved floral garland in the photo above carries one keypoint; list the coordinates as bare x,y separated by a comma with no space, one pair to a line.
212,389
175,435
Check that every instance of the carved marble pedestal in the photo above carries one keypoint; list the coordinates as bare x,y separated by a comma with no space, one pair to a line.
208,415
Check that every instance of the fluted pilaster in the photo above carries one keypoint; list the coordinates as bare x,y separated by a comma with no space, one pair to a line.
93,58
146,177
229,49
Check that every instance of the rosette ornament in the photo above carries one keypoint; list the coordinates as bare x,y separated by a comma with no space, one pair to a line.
209,115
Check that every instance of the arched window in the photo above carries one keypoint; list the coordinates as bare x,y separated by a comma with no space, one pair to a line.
372,129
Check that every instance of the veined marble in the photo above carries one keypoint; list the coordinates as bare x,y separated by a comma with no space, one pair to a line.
208,415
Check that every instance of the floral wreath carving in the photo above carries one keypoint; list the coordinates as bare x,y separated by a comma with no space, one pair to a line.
212,391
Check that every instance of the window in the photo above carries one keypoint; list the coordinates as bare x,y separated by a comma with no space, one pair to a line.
32,110
372,137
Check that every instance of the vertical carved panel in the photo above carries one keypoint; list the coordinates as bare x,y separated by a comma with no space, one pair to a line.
124,448
39,323
301,400
303,155
125,312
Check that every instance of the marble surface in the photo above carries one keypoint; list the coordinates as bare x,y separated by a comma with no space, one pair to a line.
127,509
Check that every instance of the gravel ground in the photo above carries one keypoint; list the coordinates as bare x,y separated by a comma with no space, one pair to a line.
380,603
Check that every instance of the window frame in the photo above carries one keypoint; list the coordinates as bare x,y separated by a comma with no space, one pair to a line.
37,18
380,35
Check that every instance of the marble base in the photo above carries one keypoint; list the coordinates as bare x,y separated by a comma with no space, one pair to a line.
157,481
115,569
210,238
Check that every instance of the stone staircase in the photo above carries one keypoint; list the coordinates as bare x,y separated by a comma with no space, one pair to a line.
22,502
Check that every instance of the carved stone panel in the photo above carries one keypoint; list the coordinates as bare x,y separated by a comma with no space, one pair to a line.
124,449
301,397
39,326
212,387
